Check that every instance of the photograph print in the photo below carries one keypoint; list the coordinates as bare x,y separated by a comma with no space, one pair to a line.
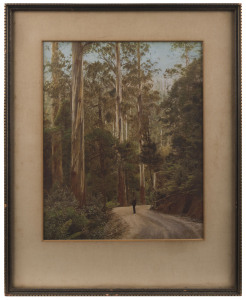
122,140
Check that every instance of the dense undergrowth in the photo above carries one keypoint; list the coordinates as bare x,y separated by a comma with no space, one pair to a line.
65,220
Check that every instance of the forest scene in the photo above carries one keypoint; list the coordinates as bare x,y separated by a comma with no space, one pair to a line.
123,140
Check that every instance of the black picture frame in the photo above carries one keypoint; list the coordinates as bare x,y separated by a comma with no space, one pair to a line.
10,9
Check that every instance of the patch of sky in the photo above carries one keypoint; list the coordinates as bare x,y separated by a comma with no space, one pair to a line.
160,52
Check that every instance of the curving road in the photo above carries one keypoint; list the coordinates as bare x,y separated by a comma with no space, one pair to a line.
149,224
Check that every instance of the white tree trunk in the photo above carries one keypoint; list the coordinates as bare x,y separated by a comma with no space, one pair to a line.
120,135
78,145
154,180
126,128
56,141
119,94
139,106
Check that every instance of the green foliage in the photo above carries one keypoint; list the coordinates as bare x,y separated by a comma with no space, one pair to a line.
57,112
149,155
110,204
128,152
98,218
59,86
100,165
63,219
183,120
186,49
47,156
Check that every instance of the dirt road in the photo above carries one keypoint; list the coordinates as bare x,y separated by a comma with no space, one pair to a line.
148,224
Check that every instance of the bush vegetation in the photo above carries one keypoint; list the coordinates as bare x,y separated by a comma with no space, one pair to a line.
65,220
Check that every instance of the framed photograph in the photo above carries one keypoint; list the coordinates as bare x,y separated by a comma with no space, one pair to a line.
123,149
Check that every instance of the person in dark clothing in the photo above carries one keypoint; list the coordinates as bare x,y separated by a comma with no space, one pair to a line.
134,202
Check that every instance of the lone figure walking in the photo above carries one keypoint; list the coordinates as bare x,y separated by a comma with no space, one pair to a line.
134,202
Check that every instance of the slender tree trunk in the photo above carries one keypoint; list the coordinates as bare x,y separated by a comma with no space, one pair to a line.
121,186
186,56
121,173
119,94
100,113
151,178
141,166
127,187
113,129
154,180
101,153
78,144
142,183
116,127
126,128
56,144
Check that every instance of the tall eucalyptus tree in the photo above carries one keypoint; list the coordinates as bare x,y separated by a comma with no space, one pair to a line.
78,124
